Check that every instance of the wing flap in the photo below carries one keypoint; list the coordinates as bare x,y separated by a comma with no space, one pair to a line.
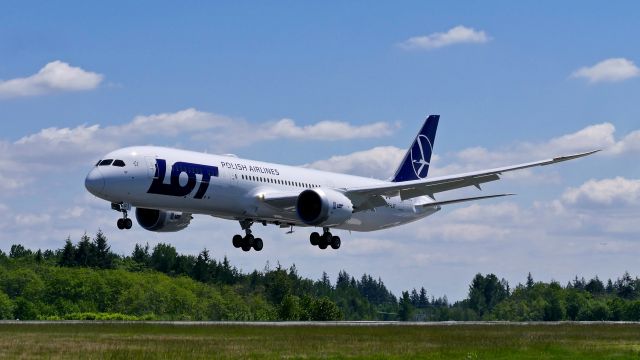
434,188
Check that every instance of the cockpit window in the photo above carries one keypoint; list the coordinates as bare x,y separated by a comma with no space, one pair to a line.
106,162
119,163
98,163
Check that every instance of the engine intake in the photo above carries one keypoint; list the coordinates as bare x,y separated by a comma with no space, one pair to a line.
323,207
162,221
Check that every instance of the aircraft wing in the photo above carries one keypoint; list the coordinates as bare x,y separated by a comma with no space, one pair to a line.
368,197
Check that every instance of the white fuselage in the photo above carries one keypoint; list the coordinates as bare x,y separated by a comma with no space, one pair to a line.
229,187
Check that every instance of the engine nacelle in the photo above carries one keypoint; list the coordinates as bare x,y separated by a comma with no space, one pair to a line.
323,207
162,221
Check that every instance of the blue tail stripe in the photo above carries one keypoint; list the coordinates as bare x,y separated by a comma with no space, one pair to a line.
415,164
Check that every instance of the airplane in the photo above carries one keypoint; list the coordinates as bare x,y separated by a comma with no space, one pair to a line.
167,186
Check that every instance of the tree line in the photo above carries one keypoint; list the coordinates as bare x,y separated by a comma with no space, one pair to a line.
86,280
490,298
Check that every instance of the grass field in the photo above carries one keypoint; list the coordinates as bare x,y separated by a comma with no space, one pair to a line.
442,341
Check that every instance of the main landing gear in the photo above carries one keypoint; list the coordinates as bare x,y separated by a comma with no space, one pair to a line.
124,208
325,240
248,241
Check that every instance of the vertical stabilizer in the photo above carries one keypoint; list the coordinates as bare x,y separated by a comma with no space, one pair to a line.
415,164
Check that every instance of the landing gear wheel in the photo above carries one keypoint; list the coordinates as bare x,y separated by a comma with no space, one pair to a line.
324,240
247,242
314,238
335,242
237,241
128,223
257,244
120,224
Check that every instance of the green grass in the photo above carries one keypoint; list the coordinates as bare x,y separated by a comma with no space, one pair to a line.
162,341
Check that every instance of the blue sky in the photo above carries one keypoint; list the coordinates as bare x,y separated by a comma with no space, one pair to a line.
514,82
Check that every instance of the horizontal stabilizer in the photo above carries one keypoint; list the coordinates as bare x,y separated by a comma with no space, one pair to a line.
454,201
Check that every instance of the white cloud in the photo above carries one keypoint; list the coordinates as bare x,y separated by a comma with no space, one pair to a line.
592,137
379,162
597,136
173,124
222,131
501,211
326,130
69,146
370,246
616,191
609,70
629,144
29,220
23,159
56,76
467,232
457,35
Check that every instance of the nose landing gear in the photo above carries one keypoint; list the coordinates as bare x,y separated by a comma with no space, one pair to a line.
248,241
327,239
124,208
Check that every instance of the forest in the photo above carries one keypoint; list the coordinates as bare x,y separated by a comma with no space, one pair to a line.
86,280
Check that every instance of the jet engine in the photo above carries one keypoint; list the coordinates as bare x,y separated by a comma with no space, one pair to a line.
323,207
162,221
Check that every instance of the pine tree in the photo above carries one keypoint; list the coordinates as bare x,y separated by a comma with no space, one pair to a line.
343,280
83,251
423,300
201,267
141,254
101,257
405,311
609,289
325,280
415,298
595,286
529,281
67,258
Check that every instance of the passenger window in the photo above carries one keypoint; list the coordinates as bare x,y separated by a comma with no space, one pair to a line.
106,162
118,163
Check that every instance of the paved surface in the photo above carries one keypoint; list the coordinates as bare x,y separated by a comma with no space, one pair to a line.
315,323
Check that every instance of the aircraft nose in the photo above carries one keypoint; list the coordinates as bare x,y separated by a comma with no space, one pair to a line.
94,182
